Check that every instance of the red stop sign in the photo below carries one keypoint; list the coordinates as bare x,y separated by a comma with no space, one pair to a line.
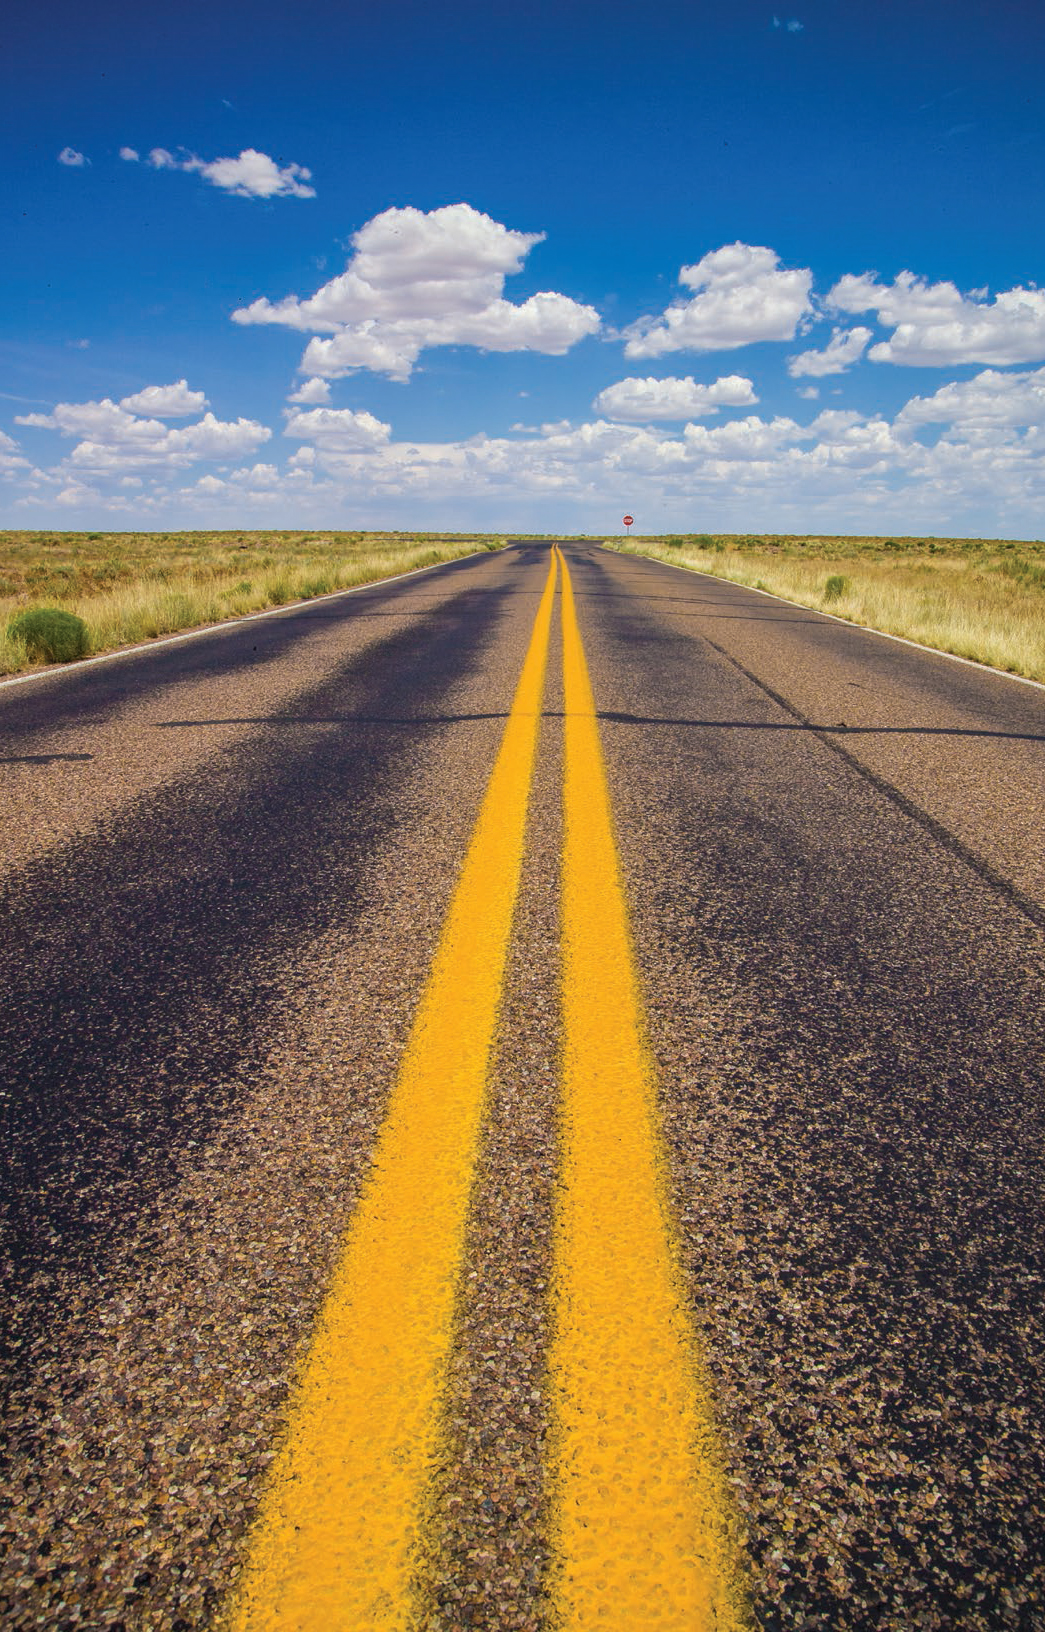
629,521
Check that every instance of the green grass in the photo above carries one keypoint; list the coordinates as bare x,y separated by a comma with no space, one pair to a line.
127,588
979,598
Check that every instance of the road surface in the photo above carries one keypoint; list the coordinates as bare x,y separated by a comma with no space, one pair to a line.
523,1107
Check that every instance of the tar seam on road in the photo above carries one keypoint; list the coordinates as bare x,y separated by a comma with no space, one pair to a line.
846,623
827,734
644,1532
337,1539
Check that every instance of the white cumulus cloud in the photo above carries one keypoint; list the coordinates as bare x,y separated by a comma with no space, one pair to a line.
113,439
418,279
255,175
166,401
845,347
257,477
72,158
314,391
935,325
409,265
648,399
338,428
988,401
76,494
131,154
251,175
841,472
741,295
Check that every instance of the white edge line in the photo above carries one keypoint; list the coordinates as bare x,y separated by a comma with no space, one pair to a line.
53,670
847,623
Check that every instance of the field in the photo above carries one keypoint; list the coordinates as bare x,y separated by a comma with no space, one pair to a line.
980,598
131,587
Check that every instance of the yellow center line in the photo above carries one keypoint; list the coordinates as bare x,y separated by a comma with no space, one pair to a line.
336,1542
642,1525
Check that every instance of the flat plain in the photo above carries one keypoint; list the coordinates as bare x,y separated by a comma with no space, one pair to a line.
979,598
983,599
131,587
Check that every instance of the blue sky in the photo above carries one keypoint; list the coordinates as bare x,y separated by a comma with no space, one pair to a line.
526,266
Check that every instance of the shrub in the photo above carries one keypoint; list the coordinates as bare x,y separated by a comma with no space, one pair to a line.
674,543
56,636
835,587
1023,572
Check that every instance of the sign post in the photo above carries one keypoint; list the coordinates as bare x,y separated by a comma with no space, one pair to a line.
629,522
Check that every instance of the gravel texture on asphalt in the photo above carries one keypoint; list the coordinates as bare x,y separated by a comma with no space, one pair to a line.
141,960
216,930
956,742
178,1214
75,746
848,1021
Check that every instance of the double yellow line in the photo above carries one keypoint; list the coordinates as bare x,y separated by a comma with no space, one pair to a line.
642,1530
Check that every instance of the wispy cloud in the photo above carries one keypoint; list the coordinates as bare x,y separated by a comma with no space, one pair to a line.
72,158
845,348
251,175
936,100
13,396
790,25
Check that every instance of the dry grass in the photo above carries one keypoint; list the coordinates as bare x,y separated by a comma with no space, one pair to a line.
980,598
131,587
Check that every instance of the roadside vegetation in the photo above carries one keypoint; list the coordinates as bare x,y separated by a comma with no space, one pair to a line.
126,588
980,598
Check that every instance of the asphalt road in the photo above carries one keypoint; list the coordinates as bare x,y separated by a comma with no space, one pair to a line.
226,863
